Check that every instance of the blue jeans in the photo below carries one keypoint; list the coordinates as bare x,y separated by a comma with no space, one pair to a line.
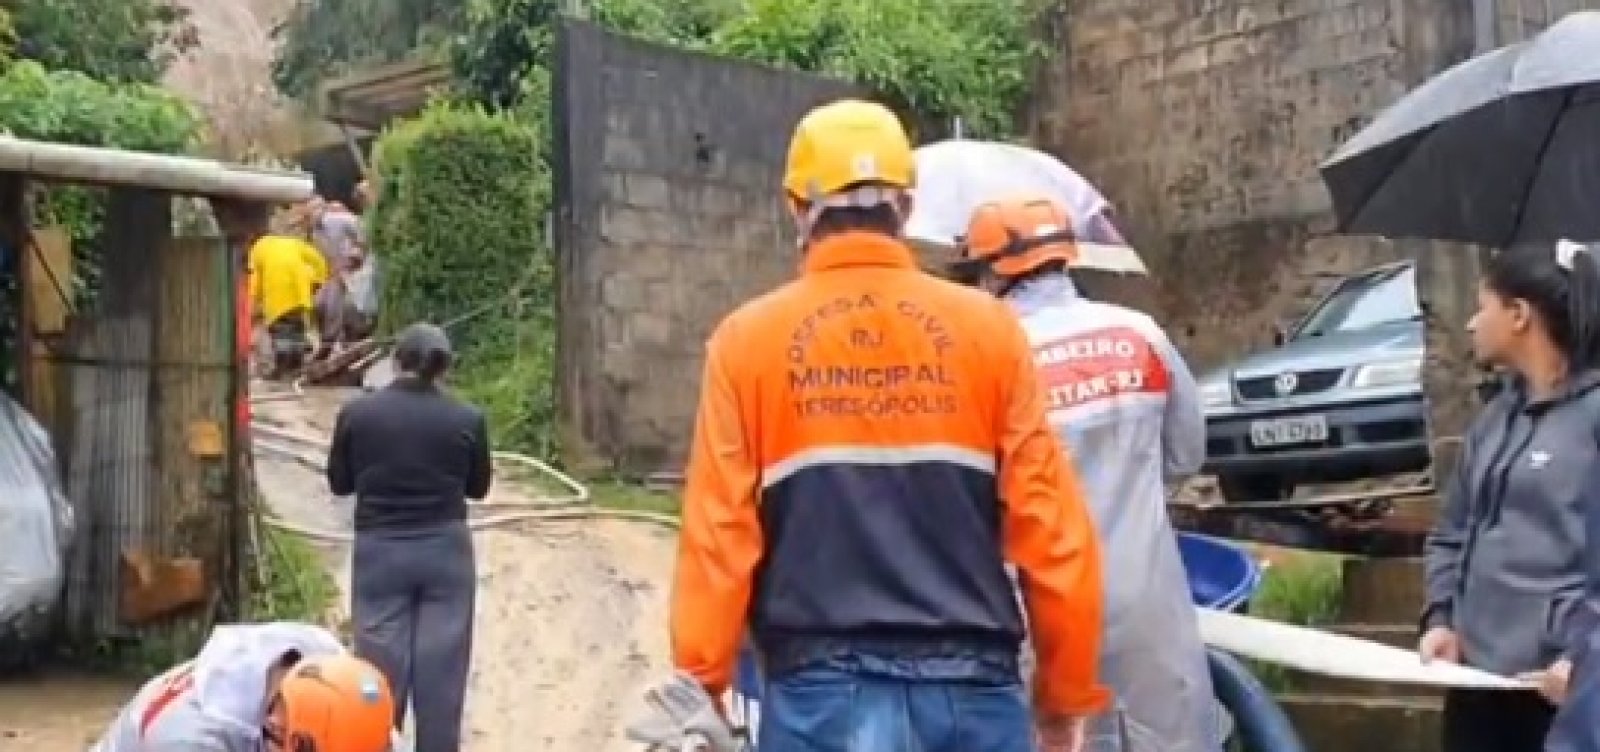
828,710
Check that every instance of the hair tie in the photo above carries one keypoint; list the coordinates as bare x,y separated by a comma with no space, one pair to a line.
1567,251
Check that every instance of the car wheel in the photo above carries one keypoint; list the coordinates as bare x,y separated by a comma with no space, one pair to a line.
1247,488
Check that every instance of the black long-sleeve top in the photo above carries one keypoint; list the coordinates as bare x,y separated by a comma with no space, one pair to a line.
412,454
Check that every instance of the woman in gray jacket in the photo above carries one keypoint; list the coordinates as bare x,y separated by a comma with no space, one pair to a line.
1505,569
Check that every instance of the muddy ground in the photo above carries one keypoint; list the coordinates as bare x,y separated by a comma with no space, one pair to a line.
571,622
57,712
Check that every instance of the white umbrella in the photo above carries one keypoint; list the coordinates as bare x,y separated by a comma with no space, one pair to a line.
955,177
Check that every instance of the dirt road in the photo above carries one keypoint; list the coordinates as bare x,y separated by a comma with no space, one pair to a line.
571,620
57,712
571,623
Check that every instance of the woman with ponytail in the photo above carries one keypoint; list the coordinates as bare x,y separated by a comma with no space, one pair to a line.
412,454
1577,725
1505,562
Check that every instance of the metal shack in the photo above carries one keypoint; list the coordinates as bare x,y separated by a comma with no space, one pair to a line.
141,391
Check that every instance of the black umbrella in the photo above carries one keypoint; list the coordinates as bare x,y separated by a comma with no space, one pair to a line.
1500,149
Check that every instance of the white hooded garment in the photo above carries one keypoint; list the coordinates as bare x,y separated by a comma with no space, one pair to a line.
1126,408
216,702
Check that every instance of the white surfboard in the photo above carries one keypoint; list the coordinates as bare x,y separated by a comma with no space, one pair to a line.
1329,654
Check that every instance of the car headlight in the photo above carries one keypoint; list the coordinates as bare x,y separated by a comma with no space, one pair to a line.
1388,373
1216,394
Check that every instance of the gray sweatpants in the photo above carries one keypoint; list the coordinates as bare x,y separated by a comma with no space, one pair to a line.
412,603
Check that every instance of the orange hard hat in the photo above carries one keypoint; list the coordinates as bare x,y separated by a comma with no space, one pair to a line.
336,703
1014,236
846,144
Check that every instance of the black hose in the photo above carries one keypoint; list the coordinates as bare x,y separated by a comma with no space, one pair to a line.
1259,722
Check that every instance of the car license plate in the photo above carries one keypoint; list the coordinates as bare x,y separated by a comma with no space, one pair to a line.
1303,429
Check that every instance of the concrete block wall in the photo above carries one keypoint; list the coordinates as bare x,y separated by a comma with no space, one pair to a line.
669,215
1203,120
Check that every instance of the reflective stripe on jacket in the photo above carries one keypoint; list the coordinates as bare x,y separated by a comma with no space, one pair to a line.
217,702
870,447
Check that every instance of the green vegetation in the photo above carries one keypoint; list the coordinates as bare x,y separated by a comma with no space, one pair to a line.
297,585
1302,590
80,71
141,658
75,108
71,107
108,40
934,60
459,223
327,38
633,497
460,217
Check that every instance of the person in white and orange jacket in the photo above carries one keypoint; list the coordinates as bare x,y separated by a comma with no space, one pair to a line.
273,687
1124,404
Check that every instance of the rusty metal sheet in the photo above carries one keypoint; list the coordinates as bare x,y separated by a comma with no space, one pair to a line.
1329,529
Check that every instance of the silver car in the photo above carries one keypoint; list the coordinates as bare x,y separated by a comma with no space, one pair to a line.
1338,399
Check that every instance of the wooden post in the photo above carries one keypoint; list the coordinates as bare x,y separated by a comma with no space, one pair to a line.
1448,282
47,299
242,224
14,237
193,374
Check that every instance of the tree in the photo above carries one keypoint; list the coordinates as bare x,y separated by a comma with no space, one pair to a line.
502,56
108,40
934,60
326,38
8,37
505,49
70,107
462,198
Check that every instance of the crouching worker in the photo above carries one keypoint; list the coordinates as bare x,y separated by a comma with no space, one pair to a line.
285,273
276,687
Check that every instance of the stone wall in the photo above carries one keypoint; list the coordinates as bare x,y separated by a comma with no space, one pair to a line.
669,215
1205,121
1520,19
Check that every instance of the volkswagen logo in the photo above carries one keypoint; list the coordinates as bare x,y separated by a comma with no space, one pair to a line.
1285,384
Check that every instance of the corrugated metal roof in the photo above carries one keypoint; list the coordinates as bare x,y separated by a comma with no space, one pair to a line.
112,462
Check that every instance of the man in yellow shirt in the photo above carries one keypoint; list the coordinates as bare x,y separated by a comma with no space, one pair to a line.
285,272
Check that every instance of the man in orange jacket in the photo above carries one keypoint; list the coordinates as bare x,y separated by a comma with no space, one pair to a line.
871,448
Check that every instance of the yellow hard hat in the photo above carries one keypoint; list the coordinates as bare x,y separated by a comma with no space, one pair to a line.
845,144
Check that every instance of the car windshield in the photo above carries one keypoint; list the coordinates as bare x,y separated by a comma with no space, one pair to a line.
1379,299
